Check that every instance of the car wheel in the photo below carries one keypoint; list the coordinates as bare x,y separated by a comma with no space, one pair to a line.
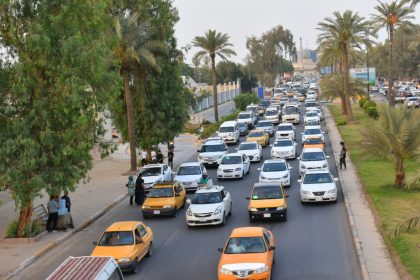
224,220
230,210
134,266
150,251
284,219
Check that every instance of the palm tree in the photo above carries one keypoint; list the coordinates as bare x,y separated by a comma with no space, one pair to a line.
395,134
213,43
136,50
415,178
332,86
348,30
391,15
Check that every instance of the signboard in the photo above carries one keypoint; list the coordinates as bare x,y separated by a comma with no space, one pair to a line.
361,73
325,70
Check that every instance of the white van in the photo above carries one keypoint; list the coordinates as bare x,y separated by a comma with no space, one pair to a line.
95,268
229,132
290,114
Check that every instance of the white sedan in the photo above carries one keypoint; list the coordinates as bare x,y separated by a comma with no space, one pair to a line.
209,206
285,130
312,158
189,173
310,117
234,165
252,150
275,171
312,131
283,148
154,173
318,186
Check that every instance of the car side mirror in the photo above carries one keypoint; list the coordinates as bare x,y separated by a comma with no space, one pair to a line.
299,180
220,249
95,243
272,248
327,156
247,198
335,179
188,201
286,196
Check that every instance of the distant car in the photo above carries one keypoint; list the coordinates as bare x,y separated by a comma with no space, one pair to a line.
155,173
267,201
318,186
248,118
212,151
243,129
259,135
189,173
312,158
283,148
252,150
164,199
412,102
312,131
234,165
275,171
209,206
127,241
311,116
267,125
247,254
285,130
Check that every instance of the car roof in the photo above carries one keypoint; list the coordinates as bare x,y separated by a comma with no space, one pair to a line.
274,160
213,142
312,127
246,231
309,150
260,185
123,226
228,123
194,163
213,188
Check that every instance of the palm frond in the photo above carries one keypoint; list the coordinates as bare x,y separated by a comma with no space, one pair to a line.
406,224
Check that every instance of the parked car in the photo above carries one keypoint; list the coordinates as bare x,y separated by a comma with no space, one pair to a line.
234,165
267,201
248,253
275,171
189,173
212,151
312,158
283,148
164,199
229,131
155,173
128,242
318,186
252,150
285,130
209,206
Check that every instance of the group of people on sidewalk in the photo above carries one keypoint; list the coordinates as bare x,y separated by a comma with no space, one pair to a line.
156,155
136,190
59,213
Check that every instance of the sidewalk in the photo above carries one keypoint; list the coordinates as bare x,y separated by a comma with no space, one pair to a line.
373,255
89,201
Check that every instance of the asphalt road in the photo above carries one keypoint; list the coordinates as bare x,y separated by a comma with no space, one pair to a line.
315,242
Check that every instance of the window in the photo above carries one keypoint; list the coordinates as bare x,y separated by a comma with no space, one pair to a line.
143,231
267,237
222,193
137,234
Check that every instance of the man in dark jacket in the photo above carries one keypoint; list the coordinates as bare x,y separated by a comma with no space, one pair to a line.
67,199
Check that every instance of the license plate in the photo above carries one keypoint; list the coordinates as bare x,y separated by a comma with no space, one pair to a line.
156,212
318,198
266,215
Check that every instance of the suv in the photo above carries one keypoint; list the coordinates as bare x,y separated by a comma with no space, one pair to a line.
272,114
209,206
248,118
229,132
212,151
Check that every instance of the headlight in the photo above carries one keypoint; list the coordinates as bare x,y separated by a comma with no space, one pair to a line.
124,260
167,206
280,208
253,209
218,210
225,271
261,269
262,177
285,176
238,169
302,166
306,192
331,191
324,165
189,212
145,207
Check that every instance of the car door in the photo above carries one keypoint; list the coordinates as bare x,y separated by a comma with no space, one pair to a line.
146,238
269,240
227,201
139,245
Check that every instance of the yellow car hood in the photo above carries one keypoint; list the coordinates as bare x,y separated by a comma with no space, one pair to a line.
114,251
267,203
159,201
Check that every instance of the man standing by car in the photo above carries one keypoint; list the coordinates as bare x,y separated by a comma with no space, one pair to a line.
52,207
343,155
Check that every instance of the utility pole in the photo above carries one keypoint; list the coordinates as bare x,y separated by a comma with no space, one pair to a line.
367,62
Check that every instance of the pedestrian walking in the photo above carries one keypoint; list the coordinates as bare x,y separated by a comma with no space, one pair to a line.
343,155
52,208
130,185
144,158
159,156
139,190
171,158
67,199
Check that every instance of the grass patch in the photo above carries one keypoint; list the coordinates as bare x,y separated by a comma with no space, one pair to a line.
377,178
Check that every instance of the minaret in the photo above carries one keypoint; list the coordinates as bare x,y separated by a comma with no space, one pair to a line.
300,50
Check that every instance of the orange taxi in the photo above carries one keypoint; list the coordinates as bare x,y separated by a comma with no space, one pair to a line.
164,199
128,242
248,254
314,142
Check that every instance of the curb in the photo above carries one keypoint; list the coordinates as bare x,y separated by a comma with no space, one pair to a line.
356,241
62,238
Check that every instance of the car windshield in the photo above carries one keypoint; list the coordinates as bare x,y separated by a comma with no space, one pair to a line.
189,170
317,178
311,104
283,143
245,245
313,141
312,114
226,129
264,124
152,171
312,122
244,116
247,146
271,113
212,148
207,198
256,134
232,160
269,192
290,110
284,128
313,156
312,131
116,238
161,192
274,167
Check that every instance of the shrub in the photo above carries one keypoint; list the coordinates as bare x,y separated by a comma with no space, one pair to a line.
362,101
367,104
372,112
210,128
12,229
31,229
244,99
341,122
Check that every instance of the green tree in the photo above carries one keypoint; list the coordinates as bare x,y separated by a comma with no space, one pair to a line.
244,99
229,72
395,134
213,44
58,76
392,15
348,30
333,86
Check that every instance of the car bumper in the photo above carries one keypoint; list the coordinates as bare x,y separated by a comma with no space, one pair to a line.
204,221
288,136
159,212
290,120
282,181
214,161
227,175
260,276
324,198
267,214
126,266
284,156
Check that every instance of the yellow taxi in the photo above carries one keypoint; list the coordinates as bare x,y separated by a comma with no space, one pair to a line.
128,242
314,142
164,199
267,201
248,254
259,135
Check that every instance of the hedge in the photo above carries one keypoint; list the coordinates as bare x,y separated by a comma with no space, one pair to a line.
244,99
210,128
372,112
